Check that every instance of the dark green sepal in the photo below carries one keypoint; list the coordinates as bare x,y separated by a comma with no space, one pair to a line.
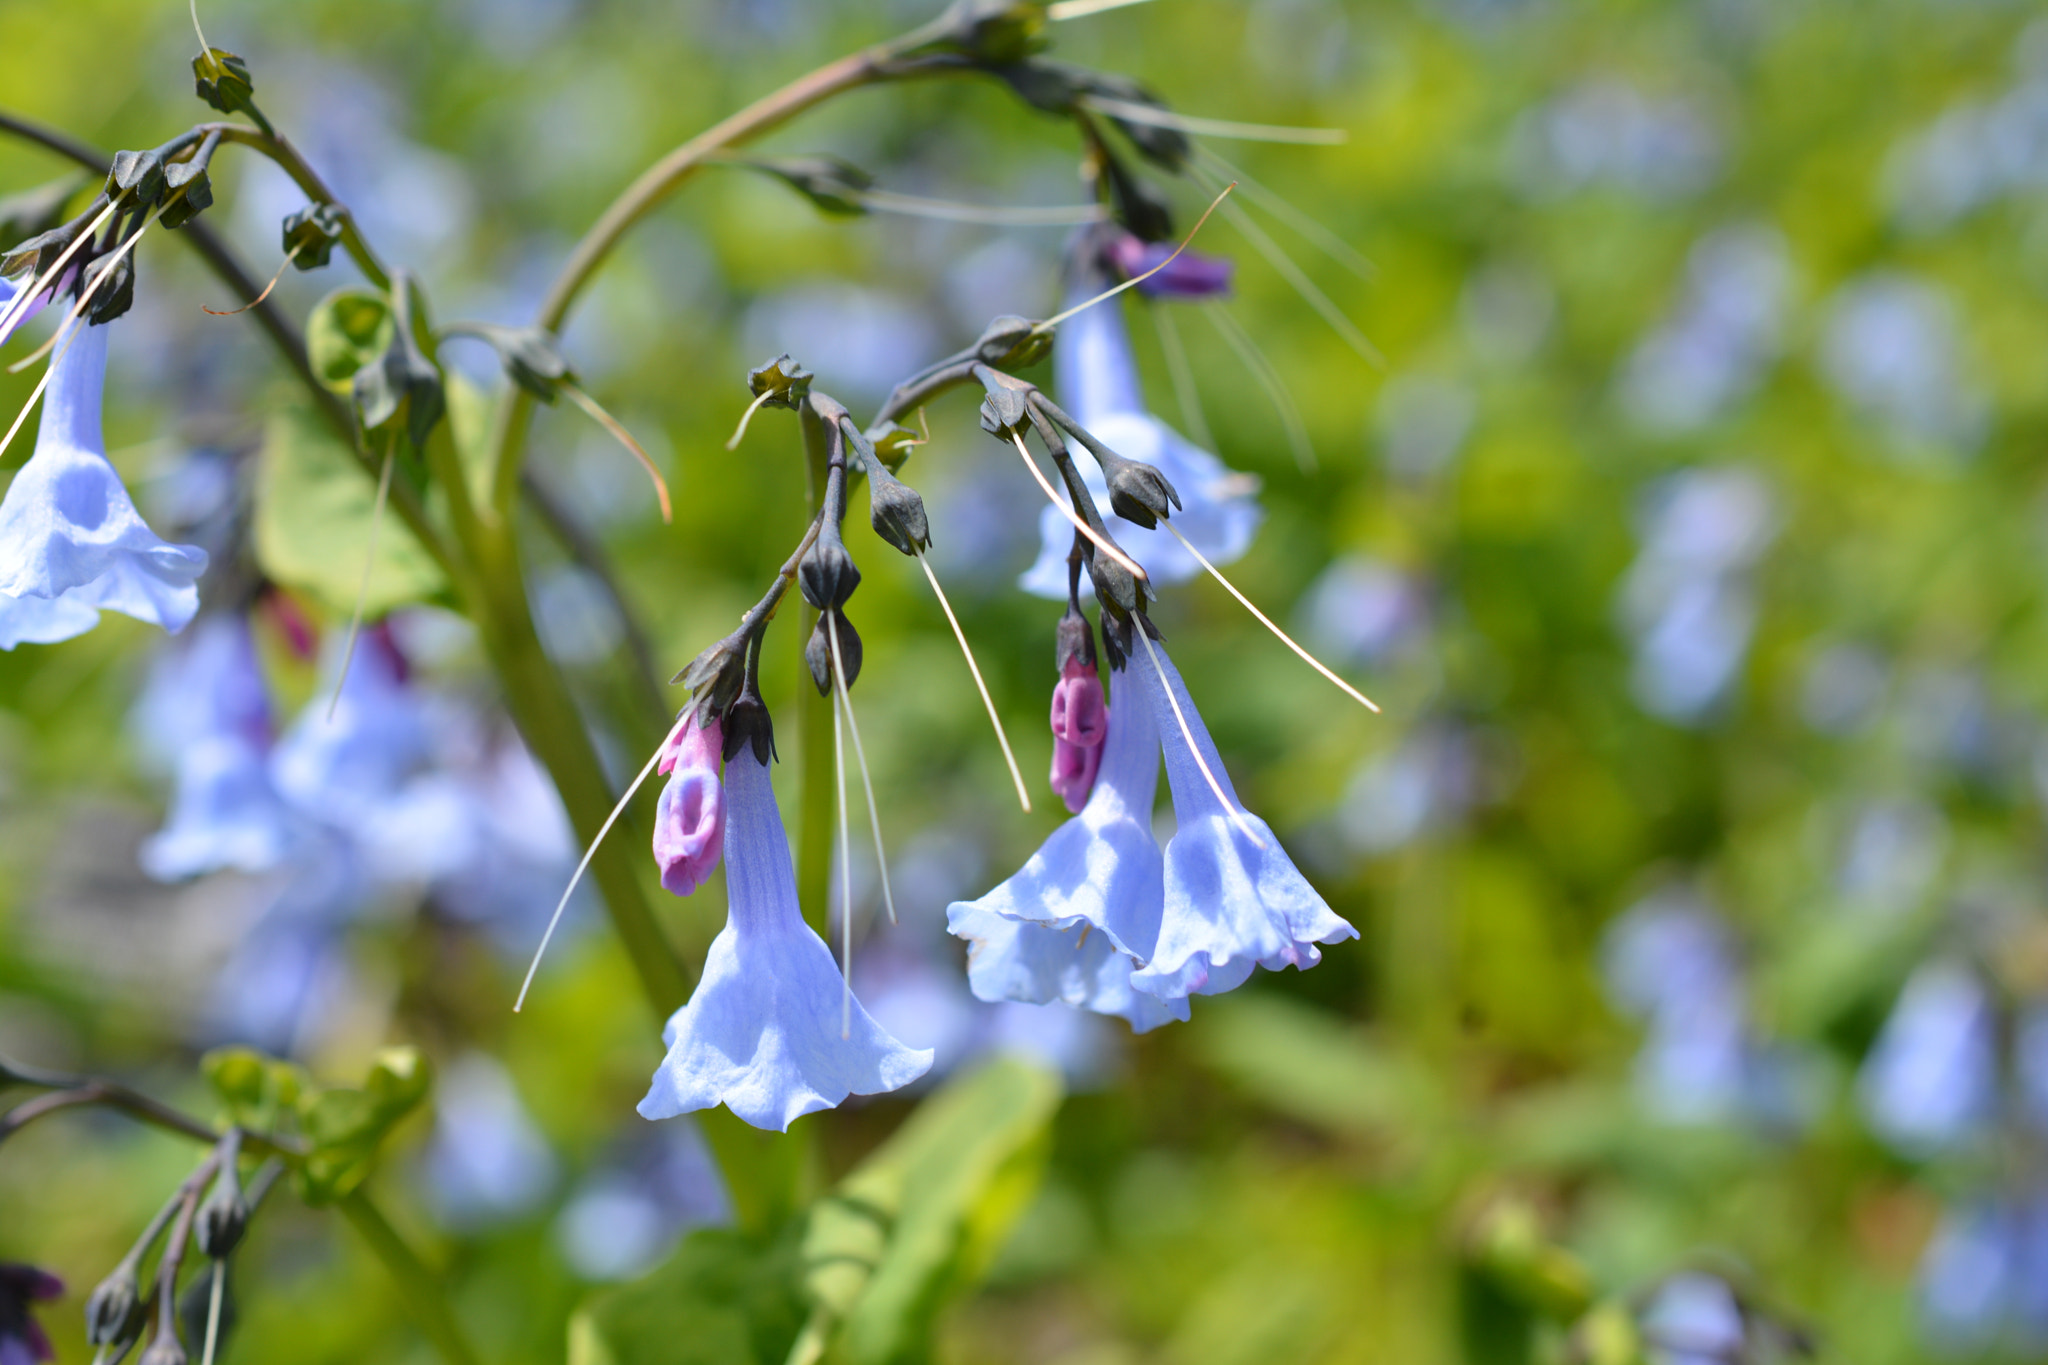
310,234
784,382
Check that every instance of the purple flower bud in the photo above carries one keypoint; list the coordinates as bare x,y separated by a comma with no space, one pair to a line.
1080,720
1189,277
689,824
21,1337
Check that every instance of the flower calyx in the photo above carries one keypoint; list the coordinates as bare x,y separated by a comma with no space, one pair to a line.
1138,492
27,216
189,176
835,187
818,650
529,355
716,676
310,234
401,388
781,383
222,81
895,509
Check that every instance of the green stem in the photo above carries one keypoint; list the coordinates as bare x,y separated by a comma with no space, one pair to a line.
280,150
419,1287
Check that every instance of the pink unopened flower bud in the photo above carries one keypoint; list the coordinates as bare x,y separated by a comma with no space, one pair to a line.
1080,722
689,823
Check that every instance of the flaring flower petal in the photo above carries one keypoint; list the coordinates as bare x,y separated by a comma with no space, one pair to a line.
1230,905
762,1032
69,532
1011,959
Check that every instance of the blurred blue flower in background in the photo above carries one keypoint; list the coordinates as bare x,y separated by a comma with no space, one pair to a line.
1607,134
1687,601
1717,344
1930,1083
1984,1278
1892,348
629,1212
486,1162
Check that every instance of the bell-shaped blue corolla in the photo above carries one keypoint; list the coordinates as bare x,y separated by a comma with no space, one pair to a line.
764,1033
71,542
1233,902
1096,381
1931,1081
344,759
207,710
1069,924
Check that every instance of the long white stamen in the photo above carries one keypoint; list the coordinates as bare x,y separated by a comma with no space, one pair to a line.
845,869
1183,377
20,302
740,432
355,623
1311,660
84,301
1023,796
995,215
1080,9
590,853
1110,293
1216,127
624,438
1101,541
1304,286
860,755
1269,379
220,1281
1237,817
1339,250
202,46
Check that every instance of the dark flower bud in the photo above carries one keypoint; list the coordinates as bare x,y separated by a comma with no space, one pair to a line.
835,187
222,81
1135,204
400,382
29,257
781,383
747,723
893,443
894,508
136,179
1114,584
990,32
529,355
117,295
189,176
1073,639
32,213
716,676
222,1220
310,235
818,651
1012,343
165,1350
1116,636
114,1311
827,574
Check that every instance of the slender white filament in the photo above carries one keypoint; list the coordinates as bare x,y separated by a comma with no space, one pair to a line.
1311,660
1080,9
1216,127
1269,379
860,755
1237,817
845,873
1183,377
220,1281
1339,250
355,621
740,432
624,438
1023,796
1101,541
588,854
1278,258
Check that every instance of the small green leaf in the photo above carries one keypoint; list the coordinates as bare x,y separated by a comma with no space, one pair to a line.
722,1299
262,1094
345,1127
348,329
312,524
921,1219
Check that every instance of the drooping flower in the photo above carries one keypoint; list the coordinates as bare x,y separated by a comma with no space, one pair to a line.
71,542
1066,925
689,823
344,757
1931,1081
1234,899
1096,381
763,1034
206,710
1080,719
1186,275
1983,1282
22,1340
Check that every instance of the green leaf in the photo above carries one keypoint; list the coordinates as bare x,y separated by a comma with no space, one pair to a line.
722,1299
348,330
344,1127
920,1220
1315,1067
260,1092
313,505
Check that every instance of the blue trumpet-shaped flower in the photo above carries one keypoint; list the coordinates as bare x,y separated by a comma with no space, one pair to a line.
1233,897
1096,379
71,542
206,707
763,1033
1930,1083
1063,927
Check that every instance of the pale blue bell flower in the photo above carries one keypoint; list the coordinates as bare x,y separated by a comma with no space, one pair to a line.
1096,380
345,758
1230,904
762,1034
1067,925
1930,1083
206,707
71,542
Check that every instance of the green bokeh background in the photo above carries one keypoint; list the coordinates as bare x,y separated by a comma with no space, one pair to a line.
1296,1174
